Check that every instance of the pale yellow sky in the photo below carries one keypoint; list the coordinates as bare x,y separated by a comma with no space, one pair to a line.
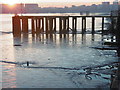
38,1
63,4
55,3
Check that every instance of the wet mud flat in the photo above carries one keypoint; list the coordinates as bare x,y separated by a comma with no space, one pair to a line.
54,62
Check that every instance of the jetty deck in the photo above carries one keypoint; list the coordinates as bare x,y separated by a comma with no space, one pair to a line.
48,24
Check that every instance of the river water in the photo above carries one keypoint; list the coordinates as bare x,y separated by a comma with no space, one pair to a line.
58,62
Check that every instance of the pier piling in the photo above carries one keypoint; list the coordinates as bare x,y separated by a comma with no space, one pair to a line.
42,25
60,25
48,24
102,24
54,20
68,24
74,24
83,25
25,25
33,27
16,26
93,25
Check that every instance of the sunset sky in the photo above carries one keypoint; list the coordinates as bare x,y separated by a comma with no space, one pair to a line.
38,1
55,3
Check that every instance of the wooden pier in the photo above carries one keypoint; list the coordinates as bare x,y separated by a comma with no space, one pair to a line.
47,24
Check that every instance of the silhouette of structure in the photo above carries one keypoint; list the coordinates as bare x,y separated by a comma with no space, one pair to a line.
48,24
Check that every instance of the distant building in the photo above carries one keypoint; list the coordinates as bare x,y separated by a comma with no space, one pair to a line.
31,8
73,6
65,7
106,6
94,6
105,3
115,3
114,6
31,5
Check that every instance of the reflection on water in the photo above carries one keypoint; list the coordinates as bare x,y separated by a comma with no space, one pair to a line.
9,76
55,50
57,39
8,70
70,51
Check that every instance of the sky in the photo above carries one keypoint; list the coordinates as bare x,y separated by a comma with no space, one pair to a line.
55,3
38,1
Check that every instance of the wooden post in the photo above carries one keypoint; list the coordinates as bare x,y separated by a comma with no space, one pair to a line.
16,26
27,63
93,25
54,24
25,25
33,27
64,25
60,25
68,24
46,19
83,24
73,25
75,22
39,22
51,25
42,24
37,28
102,24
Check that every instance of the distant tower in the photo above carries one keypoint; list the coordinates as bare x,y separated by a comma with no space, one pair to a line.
116,1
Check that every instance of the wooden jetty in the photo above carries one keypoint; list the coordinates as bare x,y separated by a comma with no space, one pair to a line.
48,24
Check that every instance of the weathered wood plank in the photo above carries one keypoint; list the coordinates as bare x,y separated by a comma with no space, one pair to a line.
38,23
102,24
42,27
46,22
68,24
83,24
16,26
60,25
64,16
54,24
93,25
25,25
33,27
